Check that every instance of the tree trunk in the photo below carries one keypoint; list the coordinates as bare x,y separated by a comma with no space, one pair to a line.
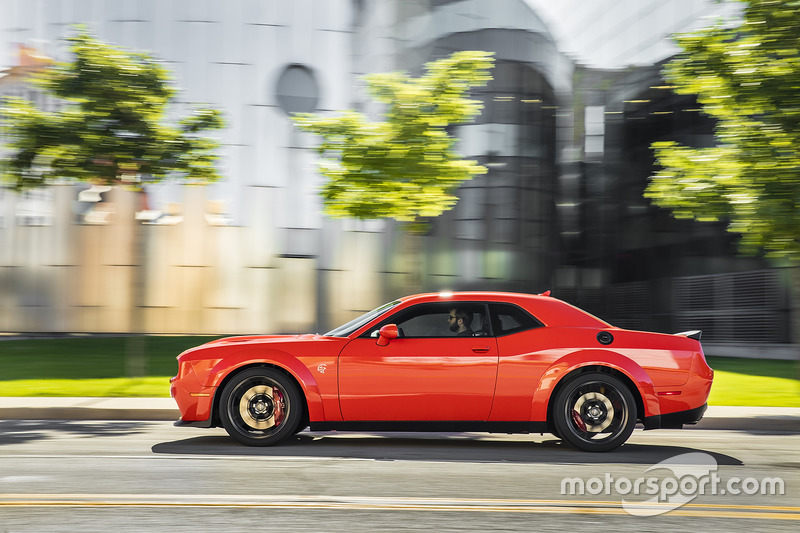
135,347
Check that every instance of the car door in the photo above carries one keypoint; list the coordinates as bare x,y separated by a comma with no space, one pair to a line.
428,373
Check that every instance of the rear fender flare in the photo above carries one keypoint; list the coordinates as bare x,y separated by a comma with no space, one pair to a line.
565,366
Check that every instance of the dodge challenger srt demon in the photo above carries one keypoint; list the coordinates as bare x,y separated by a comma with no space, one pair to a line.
467,361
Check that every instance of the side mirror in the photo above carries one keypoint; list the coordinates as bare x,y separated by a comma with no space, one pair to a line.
386,333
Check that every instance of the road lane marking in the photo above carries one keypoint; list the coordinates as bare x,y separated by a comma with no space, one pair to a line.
760,512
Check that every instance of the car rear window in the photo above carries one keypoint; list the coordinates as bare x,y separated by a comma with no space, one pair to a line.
509,318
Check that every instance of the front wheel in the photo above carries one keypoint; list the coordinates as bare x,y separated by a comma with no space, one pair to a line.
595,412
261,406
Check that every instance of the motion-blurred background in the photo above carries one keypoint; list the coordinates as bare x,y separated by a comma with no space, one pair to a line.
576,99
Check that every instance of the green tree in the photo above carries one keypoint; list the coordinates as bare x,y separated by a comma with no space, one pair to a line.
112,128
404,167
746,76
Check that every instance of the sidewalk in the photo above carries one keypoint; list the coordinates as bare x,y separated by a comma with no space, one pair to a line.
36,408
57,408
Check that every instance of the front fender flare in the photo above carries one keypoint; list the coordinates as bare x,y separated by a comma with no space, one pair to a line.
566,365
278,358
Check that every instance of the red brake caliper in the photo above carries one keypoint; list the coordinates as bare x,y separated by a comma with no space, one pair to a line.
277,400
576,417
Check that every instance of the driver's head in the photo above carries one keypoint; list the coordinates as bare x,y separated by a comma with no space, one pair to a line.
458,318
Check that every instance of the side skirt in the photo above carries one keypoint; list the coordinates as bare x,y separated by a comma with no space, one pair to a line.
444,426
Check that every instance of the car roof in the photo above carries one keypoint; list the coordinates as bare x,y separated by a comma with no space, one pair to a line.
550,311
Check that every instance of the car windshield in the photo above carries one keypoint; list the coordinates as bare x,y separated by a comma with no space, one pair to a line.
350,327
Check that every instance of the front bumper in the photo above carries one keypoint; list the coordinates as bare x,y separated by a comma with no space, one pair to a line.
194,424
195,402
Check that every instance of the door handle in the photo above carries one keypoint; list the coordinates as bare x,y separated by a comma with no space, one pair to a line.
481,349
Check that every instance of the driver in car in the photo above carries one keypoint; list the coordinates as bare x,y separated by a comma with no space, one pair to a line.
459,321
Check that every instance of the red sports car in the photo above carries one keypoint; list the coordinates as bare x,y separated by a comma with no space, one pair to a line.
468,361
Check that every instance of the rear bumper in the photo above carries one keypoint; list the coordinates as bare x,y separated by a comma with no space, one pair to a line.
675,420
685,404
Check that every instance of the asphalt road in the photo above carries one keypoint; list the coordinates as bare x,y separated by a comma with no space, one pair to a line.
150,476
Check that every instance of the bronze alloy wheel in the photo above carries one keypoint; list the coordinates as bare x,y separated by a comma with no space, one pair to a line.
261,406
595,412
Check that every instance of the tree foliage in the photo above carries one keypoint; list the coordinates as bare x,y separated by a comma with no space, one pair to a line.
405,166
112,126
747,77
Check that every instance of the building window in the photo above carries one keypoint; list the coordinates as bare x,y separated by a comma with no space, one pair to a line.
297,90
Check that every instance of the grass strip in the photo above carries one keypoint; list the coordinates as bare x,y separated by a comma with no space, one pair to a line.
93,357
148,387
754,382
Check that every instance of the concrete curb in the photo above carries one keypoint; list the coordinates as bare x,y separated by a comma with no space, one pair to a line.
81,413
36,408
779,419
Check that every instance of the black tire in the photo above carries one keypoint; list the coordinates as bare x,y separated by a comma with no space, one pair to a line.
595,412
261,406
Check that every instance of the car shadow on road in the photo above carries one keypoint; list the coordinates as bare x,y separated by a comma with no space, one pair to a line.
448,447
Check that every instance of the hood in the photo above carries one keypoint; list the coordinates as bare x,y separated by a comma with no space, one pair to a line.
260,339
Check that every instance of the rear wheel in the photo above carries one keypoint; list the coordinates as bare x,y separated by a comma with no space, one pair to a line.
595,412
261,406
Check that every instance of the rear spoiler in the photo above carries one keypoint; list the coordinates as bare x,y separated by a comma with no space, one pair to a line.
694,334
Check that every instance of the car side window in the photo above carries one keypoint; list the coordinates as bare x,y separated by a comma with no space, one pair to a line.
429,324
433,320
508,319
